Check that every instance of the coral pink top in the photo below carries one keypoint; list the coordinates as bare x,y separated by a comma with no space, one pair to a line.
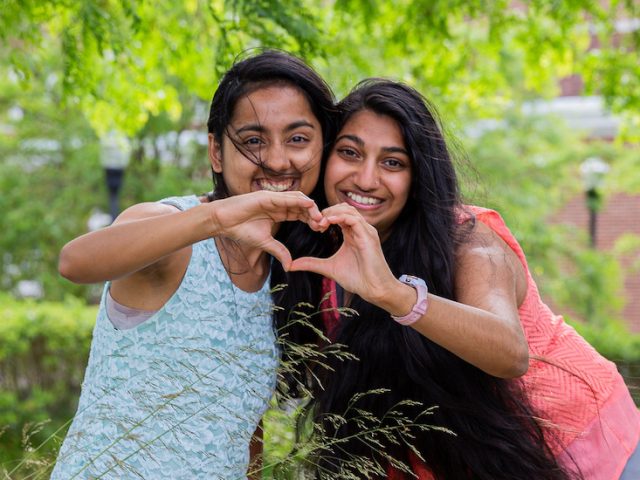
585,405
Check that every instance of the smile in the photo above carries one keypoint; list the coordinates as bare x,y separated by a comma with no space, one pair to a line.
363,199
276,185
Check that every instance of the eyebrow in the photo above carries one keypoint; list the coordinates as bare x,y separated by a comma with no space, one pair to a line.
256,127
354,138
358,141
395,150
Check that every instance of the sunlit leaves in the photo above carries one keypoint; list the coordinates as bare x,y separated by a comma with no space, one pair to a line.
129,59
125,60
149,68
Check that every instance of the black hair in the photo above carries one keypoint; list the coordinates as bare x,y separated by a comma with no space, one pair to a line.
266,68
249,73
495,431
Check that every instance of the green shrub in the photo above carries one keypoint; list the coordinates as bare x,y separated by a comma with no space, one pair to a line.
43,354
612,339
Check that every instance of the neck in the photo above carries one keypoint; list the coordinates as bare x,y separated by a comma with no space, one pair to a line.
247,267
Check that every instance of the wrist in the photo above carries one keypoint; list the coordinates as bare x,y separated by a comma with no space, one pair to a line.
419,308
209,220
397,298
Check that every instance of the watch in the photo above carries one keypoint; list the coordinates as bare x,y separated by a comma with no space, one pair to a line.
420,308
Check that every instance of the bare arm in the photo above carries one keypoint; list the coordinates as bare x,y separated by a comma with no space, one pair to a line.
148,234
143,235
482,328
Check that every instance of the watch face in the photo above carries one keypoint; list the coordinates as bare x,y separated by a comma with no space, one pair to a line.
411,280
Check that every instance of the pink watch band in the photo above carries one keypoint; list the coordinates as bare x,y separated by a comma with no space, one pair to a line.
420,308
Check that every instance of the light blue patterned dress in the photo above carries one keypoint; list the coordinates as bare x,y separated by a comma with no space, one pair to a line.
180,395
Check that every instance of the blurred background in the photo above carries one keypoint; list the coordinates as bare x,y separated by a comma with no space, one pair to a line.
103,103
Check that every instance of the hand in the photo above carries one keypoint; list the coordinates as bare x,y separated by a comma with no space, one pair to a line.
359,265
249,219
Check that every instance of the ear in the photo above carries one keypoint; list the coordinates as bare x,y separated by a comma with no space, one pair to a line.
215,154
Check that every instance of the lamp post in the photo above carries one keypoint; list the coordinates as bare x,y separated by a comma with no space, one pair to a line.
593,171
114,155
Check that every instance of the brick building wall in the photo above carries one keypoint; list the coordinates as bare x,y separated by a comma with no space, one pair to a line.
620,214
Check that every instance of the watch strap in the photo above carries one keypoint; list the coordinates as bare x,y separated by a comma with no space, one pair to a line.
420,307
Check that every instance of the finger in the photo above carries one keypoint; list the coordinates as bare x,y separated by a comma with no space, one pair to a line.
315,220
314,214
355,226
317,226
278,251
349,220
298,210
266,198
311,264
343,210
291,205
292,196
340,208
344,218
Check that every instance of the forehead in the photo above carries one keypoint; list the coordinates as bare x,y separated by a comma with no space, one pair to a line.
273,105
374,129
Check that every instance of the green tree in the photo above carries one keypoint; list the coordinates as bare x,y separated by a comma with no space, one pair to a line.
79,69
527,168
124,60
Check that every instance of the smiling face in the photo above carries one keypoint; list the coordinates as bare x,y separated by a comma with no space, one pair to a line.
370,169
277,143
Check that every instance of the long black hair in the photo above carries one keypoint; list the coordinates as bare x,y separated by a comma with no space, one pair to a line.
495,432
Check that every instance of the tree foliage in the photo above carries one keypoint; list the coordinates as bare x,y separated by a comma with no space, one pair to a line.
71,71
527,168
125,60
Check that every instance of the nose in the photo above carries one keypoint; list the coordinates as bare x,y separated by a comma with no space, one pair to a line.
275,158
367,177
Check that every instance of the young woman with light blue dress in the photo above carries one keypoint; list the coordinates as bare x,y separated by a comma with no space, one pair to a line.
183,358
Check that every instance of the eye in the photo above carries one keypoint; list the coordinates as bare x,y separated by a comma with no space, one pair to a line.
299,139
253,141
347,152
393,163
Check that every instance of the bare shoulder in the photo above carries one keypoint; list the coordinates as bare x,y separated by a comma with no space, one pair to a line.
141,211
484,257
483,241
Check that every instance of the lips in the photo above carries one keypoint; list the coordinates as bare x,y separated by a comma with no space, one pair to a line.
281,185
362,201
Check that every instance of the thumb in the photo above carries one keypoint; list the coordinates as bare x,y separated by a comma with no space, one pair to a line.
278,251
311,264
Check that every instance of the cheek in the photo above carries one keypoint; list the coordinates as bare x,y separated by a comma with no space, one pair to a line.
238,169
335,169
307,160
402,189
330,179
310,178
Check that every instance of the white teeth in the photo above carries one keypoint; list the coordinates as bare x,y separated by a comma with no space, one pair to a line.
275,186
363,200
